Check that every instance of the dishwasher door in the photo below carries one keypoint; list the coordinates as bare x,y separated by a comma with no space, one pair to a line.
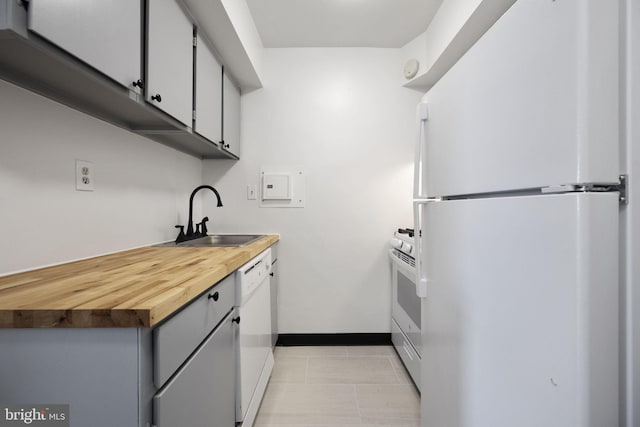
255,355
201,393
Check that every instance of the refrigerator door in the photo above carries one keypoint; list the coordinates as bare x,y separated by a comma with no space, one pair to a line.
520,322
533,103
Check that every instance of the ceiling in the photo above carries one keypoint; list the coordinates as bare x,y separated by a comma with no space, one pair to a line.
341,23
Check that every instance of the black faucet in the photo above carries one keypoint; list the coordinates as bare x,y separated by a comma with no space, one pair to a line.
201,229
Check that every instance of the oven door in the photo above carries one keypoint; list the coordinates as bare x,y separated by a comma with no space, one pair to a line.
406,307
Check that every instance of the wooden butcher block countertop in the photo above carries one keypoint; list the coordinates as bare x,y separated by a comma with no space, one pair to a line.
136,288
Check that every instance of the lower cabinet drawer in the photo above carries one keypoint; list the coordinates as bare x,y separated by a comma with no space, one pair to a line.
176,339
201,394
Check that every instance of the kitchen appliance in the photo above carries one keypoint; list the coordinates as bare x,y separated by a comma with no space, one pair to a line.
406,310
255,356
516,208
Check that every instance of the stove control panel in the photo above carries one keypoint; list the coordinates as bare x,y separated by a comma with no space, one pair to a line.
403,241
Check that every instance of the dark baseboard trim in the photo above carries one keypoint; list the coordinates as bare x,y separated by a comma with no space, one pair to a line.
288,340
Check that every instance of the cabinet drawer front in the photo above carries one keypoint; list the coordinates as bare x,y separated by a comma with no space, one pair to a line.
202,393
176,339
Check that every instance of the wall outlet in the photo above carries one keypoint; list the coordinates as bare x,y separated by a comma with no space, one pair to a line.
252,191
84,176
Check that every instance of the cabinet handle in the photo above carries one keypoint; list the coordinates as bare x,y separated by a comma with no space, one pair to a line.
138,83
271,274
214,297
236,320
156,98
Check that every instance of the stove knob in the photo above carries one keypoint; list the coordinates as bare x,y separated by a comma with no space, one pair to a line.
396,243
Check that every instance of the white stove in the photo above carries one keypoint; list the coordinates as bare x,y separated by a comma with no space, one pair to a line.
403,242
406,307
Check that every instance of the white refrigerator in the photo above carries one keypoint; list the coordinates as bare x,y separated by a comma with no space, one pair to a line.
517,204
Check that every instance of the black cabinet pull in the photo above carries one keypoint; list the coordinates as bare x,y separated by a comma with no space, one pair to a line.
214,296
271,274
156,98
138,83
236,320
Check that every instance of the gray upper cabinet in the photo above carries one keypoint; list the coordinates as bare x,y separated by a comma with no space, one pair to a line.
208,122
170,60
230,116
103,34
129,63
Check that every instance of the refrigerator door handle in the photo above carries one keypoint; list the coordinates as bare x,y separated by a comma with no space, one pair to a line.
422,115
421,274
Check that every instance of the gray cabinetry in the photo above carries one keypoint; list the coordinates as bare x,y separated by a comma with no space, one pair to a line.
87,54
99,373
176,339
194,362
208,121
201,394
230,115
274,295
103,34
170,59
182,373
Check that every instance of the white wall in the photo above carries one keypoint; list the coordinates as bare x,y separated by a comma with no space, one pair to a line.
456,26
240,16
142,187
339,115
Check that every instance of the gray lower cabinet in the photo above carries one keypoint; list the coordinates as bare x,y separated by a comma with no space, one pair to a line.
201,393
179,336
274,298
197,388
104,374
111,376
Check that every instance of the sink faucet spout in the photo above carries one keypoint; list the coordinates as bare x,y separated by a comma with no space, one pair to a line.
190,232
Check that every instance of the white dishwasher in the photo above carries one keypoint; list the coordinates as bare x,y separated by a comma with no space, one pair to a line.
255,358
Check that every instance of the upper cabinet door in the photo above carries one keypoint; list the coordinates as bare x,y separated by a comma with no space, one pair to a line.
230,116
103,34
208,93
170,60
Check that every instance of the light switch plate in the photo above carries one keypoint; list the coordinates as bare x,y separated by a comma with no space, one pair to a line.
252,192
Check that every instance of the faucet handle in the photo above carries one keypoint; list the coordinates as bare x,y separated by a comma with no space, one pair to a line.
204,225
180,237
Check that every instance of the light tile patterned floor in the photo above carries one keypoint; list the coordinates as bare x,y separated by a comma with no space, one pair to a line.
339,386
